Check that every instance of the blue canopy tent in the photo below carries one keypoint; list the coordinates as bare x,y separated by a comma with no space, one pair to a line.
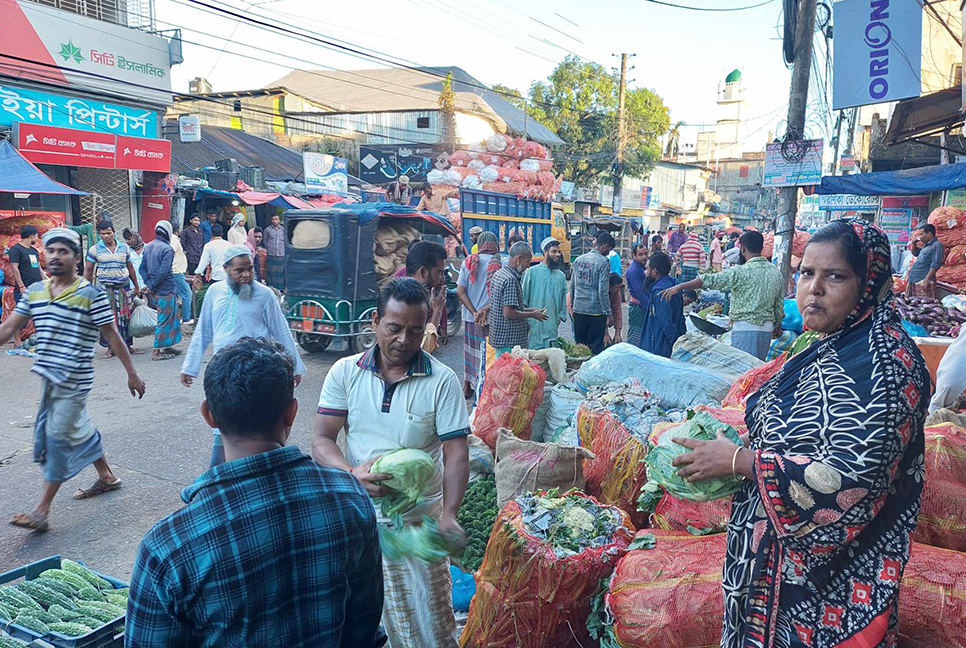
21,176
908,182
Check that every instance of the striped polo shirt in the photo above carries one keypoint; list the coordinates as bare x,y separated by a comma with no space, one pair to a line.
111,266
66,330
692,253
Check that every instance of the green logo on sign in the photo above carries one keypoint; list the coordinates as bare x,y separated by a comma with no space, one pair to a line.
69,51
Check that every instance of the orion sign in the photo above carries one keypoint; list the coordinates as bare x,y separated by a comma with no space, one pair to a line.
877,52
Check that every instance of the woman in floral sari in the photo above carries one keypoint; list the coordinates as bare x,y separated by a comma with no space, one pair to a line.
820,533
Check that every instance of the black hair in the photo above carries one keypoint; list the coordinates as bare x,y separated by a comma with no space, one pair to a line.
402,289
616,279
424,254
194,216
217,229
175,227
104,224
413,242
928,228
690,294
27,230
605,238
257,229
66,241
248,385
657,239
734,235
660,262
638,246
752,241
852,247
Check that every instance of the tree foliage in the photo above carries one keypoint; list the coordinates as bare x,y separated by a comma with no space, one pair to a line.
673,141
447,109
578,102
512,95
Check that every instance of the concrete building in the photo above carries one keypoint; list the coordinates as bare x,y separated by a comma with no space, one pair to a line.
726,141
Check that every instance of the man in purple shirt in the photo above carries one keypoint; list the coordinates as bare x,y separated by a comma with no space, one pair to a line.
677,239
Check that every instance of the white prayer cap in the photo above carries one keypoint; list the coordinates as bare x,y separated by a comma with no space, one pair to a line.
547,242
64,233
236,251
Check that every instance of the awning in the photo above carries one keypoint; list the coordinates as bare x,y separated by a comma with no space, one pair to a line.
897,183
281,201
927,115
21,176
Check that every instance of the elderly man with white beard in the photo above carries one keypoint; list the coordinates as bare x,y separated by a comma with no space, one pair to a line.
235,308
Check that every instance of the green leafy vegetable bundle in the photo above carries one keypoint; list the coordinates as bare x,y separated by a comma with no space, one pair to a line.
477,514
702,427
424,541
412,471
573,351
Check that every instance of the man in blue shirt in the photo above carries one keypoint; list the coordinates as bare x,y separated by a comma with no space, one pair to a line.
270,549
663,319
635,289
206,226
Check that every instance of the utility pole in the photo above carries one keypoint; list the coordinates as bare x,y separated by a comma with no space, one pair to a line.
835,144
621,137
797,106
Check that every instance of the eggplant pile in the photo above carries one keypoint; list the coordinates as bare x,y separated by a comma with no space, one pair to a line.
931,315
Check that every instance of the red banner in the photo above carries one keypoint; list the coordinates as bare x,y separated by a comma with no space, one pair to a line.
70,147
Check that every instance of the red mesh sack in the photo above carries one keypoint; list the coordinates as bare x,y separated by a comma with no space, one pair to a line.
512,391
955,275
932,599
460,158
942,519
946,218
12,226
510,163
669,596
951,238
769,245
617,472
751,381
733,416
677,514
8,303
956,256
527,596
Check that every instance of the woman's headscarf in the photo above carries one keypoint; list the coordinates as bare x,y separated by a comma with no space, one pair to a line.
878,285
486,244
250,241
136,242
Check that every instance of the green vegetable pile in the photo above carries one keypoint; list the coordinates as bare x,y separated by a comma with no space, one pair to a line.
477,515
568,523
573,351
72,601
703,427
411,471
423,541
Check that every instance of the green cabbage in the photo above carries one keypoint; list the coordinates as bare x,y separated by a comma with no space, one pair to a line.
412,471
424,542
703,427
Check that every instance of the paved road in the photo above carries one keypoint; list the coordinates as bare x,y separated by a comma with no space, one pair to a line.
157,446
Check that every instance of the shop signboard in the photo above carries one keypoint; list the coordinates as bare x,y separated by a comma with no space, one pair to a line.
381,164
49,109
899,216
782,169
846,202
847,163
955,198
67,49
70,147
189,128
877,52
325,173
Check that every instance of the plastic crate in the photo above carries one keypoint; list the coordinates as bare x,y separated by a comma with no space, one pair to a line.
102,637
223,181
253,176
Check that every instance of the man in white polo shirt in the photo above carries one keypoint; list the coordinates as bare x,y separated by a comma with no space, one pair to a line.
397,396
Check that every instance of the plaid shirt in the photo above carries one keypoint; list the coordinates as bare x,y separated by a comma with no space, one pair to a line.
269,550
506,289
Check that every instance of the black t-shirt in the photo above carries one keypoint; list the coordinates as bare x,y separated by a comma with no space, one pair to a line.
28,262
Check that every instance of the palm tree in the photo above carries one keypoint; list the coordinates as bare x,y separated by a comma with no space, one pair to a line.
673,140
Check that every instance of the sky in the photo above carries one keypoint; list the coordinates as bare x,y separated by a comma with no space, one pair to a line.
681,55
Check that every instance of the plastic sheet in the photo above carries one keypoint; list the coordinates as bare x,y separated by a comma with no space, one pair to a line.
677,385
704,351
527,596
512,391
669,596
564,401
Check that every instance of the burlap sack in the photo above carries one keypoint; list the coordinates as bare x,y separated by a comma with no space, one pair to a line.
527,466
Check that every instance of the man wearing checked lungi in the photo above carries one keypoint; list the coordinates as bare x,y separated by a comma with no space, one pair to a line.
68,313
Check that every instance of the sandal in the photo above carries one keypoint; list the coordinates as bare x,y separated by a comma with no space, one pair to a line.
30,521
164,356
98,487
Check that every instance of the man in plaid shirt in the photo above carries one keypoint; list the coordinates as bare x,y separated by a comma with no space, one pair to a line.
271,549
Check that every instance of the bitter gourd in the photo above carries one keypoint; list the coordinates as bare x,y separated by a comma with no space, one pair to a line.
44,595
116,610
88,593
10,642
58,586
73,580
17,601
117,599
71,629
103,615
85,573
31,622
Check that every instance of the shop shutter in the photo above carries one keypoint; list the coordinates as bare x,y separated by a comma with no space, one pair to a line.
109,191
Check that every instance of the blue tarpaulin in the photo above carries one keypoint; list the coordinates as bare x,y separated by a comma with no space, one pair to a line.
897,183
20,176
